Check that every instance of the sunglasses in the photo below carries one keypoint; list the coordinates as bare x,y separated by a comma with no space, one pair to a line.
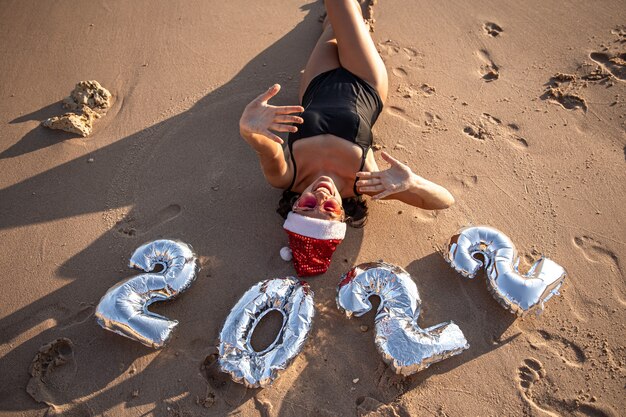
309,202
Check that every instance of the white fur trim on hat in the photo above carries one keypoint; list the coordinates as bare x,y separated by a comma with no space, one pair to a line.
315,228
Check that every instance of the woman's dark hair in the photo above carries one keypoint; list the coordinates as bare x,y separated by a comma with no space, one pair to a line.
354,207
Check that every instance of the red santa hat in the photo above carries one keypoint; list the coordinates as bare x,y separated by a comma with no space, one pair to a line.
311,242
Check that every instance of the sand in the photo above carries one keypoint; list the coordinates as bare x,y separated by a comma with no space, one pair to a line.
518,108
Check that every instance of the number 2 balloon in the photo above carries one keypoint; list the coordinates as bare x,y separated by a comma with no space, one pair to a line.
405,346
518,293
124,307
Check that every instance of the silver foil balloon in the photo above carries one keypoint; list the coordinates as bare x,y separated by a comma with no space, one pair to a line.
405,346
518,293
124,307
294,300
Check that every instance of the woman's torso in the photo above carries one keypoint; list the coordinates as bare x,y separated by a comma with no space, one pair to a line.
332,155
336,137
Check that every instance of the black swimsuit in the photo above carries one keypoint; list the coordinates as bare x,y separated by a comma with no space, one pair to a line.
339,103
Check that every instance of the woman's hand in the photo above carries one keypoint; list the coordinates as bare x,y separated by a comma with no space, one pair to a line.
399,182
260,118
396,179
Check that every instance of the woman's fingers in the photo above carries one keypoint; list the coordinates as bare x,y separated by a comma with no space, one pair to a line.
365,174
390,159
271,92
288,109
283,128
372,188
373,181
288,119
274,137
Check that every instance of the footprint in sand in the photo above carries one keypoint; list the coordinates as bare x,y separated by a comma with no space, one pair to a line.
426,123
538,391
595,252
52,372
427,89
409,91
399,57
133,227
569,351
399,72
476,132
563,89
529,373
492,29
489,127
489,71
401,113
535,389
616,64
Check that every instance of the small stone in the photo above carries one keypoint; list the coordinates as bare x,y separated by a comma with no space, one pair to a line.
135,393
90,160
400,212
89,94
355,380
363,328
376,147
215,188
80,124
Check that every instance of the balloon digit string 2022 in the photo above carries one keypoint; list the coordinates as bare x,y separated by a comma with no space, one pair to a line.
124,307
294,300
405,346
518,293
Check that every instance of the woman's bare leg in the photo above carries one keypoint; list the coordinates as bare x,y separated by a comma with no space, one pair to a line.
346,42
324,57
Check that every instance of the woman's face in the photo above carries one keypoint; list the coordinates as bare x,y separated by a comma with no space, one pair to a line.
320,200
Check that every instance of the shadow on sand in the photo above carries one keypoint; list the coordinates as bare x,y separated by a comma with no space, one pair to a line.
144,196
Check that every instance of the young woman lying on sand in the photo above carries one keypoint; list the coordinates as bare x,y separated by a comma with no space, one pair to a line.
329,162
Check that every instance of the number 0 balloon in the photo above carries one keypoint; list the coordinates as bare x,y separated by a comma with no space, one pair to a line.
290,297
405,346
518,293
124,307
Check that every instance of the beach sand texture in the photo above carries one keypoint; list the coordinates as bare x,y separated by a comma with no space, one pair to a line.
517,107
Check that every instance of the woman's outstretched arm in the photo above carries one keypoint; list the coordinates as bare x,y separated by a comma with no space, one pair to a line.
400,183
257,122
